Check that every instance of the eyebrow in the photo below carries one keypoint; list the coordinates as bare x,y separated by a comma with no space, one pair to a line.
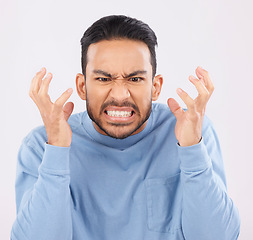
101,72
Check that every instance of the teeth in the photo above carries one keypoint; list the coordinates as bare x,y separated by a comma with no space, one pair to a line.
119,113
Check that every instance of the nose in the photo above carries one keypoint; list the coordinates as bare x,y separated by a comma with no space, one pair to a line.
119,91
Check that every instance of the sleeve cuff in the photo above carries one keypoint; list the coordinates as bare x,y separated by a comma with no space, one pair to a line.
194,158
55,158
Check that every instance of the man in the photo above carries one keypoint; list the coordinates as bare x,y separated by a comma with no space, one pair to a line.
127,168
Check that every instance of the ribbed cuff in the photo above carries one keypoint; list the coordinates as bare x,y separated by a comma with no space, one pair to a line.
56,158
194,158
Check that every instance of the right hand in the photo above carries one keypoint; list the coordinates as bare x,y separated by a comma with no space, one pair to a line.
54,115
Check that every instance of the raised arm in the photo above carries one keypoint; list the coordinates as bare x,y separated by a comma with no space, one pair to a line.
42,183
207,212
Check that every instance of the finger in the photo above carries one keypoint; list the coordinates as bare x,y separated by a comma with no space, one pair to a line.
175,108
41,74
36,82
63,98
186,99
198,73
203,74
68,109
45,84
202,90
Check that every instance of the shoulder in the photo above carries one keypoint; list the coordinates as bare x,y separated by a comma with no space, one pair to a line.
36,138
210,135
31,151
75,120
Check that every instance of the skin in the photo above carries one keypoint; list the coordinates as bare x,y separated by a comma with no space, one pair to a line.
108,86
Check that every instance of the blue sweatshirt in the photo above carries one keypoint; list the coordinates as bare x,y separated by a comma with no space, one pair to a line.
143,187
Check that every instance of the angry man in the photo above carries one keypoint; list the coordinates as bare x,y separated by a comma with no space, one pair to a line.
127,168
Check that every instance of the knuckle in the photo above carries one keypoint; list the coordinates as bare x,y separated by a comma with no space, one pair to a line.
191,104
40,93
206,75
206,94
32,93
195,116
57,105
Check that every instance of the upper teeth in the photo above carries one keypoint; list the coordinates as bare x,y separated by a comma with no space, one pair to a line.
119,113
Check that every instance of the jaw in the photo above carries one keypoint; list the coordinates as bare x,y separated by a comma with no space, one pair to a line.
120,128
119,122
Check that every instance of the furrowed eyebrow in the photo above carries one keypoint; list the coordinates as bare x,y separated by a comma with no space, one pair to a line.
101,72
138,72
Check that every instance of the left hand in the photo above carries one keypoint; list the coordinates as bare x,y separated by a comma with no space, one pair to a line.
188,128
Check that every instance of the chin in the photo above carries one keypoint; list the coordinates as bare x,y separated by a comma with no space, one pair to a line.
120,131
119,134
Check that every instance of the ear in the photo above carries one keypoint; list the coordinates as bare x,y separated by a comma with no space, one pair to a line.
80,86
157,86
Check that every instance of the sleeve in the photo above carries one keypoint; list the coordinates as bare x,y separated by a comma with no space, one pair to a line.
42,194
207,212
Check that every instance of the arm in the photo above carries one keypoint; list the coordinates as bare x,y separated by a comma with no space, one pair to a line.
207,211
42,194
42,184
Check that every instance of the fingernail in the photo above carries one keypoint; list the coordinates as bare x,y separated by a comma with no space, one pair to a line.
49,75
191,77
70,90
179,91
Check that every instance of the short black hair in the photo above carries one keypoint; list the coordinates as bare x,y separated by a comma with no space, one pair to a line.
119,27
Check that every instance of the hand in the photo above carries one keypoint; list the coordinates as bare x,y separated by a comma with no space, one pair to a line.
54,115
188,128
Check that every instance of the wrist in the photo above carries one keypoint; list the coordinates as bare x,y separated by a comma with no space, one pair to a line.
59,141
189,143
58,144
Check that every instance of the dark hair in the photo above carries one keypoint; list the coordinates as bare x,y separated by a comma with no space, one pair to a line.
119,27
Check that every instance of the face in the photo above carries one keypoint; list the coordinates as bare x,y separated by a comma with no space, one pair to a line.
118,88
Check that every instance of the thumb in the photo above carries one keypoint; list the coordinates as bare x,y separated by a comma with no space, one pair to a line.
68,109
175,108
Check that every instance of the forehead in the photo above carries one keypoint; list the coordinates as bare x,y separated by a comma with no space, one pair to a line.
117,56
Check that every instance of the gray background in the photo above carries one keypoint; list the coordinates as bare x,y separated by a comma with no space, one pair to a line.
215,34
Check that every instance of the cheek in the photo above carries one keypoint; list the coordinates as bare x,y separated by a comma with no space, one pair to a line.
96,95
143,98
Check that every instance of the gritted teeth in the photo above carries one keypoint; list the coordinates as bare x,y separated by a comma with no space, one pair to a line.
119,113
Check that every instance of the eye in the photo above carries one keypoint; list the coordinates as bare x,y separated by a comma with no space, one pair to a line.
102,79
136,79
